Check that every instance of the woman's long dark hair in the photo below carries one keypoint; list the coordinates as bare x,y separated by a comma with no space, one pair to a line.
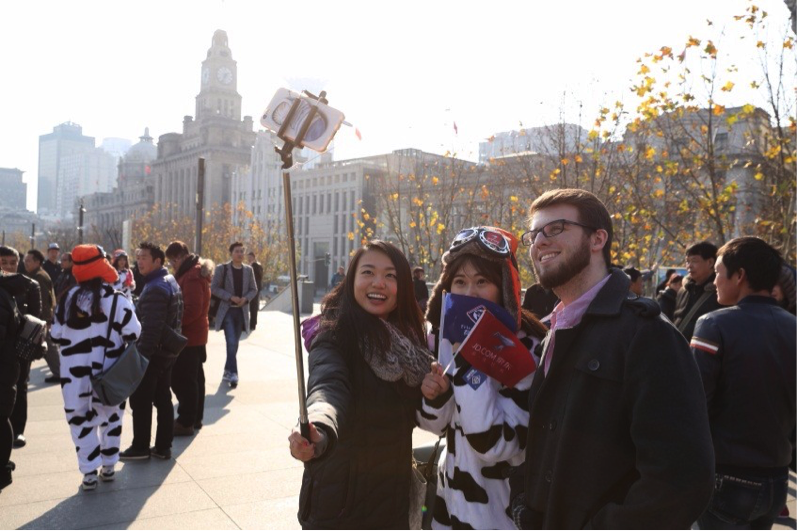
351,326
93,286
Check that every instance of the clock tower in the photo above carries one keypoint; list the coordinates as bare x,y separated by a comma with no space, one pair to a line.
218,94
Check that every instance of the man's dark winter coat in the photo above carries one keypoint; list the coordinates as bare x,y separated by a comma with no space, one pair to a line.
362,481
159,306
16,286
27,295
666,300
619,435
53,270
47,295
688,297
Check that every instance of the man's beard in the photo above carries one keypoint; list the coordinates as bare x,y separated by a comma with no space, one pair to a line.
561,275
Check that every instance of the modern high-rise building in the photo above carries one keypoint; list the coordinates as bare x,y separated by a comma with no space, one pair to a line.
66,140
132,197
116,146
15,192
80,174
217,134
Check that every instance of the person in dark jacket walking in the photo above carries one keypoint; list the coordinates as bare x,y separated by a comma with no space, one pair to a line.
698,295
193,274
9,368
52,265
254,304
34,269
618,434
746,356
66,280
160,310
420,288
366,367
28,299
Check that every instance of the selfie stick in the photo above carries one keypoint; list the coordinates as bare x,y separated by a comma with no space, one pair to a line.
286,153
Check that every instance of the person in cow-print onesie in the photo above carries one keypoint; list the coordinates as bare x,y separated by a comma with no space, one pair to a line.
80,328
484,422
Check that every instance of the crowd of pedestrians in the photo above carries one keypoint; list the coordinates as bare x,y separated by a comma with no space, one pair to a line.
636,412
641,413
97,310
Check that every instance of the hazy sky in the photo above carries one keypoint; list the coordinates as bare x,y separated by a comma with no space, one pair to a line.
402,72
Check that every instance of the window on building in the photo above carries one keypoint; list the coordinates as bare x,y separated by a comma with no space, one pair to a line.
721,142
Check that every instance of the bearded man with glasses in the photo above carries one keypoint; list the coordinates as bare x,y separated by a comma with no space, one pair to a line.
618,432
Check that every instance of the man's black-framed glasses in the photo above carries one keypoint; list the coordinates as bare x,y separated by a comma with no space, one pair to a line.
550,230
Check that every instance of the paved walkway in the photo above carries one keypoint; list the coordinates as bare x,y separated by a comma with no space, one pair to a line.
236,473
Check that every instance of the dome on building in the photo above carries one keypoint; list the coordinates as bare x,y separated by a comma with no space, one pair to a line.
144,150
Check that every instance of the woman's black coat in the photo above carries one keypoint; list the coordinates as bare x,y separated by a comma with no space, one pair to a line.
363,478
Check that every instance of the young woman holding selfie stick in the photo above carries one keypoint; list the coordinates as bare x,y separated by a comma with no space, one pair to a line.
367,362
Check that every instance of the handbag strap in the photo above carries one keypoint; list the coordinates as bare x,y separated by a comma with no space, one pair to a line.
432,460
110,326
685,321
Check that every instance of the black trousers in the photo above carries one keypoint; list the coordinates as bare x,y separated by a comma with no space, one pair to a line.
254,308
6,441
154,390
188,384
19,417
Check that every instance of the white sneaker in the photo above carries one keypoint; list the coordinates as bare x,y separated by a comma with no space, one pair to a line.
90,481
234,379
226,376
107,473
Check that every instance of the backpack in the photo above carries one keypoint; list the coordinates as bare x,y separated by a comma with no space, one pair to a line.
25,331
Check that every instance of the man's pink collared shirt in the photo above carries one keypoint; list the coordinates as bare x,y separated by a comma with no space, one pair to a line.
569,316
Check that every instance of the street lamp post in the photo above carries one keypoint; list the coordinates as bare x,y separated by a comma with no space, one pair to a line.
80,223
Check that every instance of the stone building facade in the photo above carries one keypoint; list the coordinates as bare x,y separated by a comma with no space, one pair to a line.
217,134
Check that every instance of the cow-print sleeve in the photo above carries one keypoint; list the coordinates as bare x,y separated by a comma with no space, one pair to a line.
435,415
126,318
495,418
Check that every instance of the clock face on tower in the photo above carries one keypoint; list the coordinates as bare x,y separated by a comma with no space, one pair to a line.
205,76
224,75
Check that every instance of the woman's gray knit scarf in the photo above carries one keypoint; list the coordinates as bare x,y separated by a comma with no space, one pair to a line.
404,361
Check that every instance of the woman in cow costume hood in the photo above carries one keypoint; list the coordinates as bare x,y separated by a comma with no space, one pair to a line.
485,423
80,327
